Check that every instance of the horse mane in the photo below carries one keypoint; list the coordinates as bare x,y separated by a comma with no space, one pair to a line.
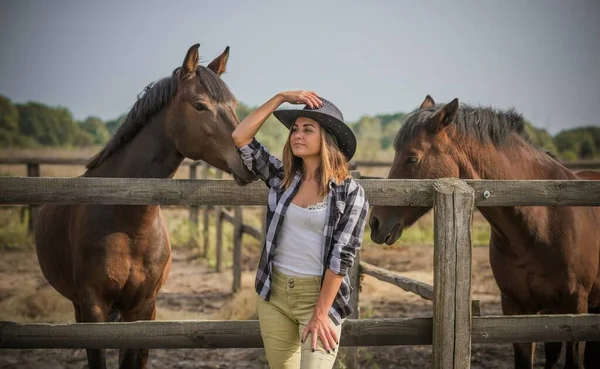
484,123
154,97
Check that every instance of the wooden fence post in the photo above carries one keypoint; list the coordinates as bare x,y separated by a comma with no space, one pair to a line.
193,226
33,170
237,248
219,227
205,232
453,211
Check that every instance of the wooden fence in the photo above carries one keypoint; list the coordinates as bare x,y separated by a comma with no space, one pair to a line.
573,165
197,170
451,330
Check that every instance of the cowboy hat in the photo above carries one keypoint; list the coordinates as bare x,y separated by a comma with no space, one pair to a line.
328,116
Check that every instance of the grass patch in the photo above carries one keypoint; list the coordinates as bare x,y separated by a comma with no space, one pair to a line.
14,233
184,234
44,305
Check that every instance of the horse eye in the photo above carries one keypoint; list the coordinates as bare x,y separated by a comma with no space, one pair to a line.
199,106
412,159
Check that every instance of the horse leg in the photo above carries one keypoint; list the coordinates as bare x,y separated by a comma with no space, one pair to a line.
77,320
592,348
575,304
94,310
136,358
552,350
523,352
77,312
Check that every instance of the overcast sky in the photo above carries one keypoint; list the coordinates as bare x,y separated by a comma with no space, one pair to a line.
540,57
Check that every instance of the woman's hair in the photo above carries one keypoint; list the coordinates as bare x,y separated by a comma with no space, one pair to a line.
333,163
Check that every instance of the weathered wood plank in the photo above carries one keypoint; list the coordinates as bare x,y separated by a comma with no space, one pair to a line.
246,228
536,193
206,219
246,334
237,249
536,328
138,191
411,285
453,209
444,276
575,164
252,232
463,215
17,160
194,209
219,235
33,170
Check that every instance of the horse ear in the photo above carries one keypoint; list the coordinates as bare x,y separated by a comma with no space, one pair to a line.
427,103
190,63
220,63
446,115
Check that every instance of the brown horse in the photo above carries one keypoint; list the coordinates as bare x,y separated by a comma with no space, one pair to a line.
111,259
544,259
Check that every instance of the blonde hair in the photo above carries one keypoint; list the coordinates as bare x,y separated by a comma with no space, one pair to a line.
333,163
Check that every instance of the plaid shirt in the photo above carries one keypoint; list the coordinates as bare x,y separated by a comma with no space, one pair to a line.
347,210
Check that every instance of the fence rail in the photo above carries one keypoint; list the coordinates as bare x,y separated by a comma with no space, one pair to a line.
573,165
387,192
18,160
246,333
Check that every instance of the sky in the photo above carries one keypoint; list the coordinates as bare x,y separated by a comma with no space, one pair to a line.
540,57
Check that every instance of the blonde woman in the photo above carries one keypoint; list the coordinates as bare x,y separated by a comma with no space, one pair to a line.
315,223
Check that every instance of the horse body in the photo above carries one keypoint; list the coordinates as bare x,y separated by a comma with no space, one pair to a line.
545,260
110,259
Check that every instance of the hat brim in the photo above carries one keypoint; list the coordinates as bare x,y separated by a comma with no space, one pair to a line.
343,134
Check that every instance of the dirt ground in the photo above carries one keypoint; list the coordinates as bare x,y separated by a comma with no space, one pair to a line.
193,291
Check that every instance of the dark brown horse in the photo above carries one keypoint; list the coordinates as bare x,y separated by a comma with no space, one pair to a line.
114,259
544,259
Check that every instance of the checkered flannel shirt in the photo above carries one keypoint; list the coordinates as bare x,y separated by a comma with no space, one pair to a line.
347,210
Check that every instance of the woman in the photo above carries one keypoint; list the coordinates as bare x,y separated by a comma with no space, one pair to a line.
316,218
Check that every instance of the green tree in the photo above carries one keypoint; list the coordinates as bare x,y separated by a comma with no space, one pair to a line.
242,111
113,125
49,126
540,137
9,115
368,136
583,141
97,129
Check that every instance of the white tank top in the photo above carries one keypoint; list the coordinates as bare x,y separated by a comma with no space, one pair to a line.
299,250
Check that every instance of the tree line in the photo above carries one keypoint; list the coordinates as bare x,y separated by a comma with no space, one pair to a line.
34,124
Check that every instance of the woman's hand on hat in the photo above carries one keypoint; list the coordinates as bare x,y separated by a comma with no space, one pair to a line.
309,98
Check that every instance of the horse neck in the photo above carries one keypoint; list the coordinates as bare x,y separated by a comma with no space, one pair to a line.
519,161
149,154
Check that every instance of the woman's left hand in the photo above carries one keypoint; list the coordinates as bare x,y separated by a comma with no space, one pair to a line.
320,326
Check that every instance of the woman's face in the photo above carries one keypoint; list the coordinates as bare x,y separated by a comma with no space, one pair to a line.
305,139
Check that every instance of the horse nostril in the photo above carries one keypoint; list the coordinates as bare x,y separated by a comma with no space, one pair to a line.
374,223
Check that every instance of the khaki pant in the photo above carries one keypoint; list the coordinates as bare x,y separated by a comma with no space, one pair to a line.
283,318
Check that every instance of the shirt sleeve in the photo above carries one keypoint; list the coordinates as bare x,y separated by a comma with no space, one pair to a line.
259,161
348,235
